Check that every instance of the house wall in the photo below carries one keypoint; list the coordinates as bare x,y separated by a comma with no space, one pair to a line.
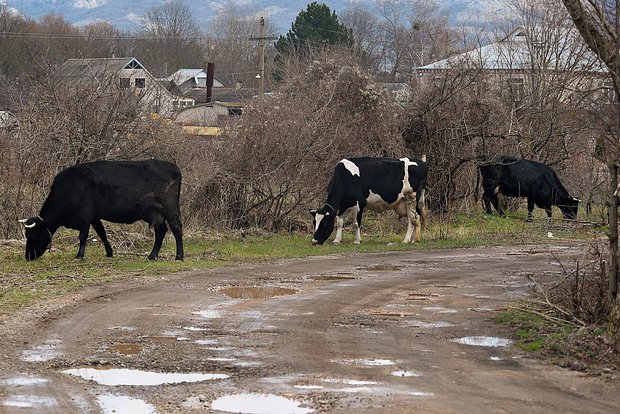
154,97
198,115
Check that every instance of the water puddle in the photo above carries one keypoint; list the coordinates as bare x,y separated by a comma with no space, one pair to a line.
489,341
256,292
439,309
309,387
350,381
206,341
44,352
371,362
209,314
428,325
194,329
258,404
24,381
117,404
330,278
126,349
117,376
381,268
404,373
29,401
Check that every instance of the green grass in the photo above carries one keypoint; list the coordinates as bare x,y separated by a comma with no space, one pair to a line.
535,332
57,272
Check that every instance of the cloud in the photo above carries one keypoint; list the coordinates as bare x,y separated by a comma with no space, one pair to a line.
89,4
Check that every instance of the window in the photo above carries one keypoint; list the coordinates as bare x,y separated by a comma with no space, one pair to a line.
124,83
140,83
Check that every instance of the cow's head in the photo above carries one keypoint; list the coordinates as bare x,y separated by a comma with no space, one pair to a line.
569,208
38,237
323,224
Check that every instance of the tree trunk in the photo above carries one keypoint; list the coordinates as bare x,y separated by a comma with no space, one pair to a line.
614,301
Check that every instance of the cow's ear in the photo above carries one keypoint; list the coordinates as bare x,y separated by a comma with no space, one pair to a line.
312,212
328,213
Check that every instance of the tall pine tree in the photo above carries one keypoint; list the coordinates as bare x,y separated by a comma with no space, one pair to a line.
314,28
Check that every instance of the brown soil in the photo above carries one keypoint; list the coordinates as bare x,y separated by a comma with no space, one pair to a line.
383,339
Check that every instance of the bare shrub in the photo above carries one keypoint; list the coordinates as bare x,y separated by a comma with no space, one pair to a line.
59,125
279,158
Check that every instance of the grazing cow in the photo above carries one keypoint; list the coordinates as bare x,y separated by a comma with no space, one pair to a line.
117,191
379,184
514,177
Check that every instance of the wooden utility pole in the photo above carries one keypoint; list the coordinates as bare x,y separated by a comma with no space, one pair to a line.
261,38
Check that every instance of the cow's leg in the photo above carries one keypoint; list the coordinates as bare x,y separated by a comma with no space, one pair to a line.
421,208
530,209
83,238
413,218
339,226
486,200
177,231
160,233
495,201
98,226
357,224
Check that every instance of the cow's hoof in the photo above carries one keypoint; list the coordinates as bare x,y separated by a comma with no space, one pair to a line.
152,257
357,242
336,242
109,254
179,258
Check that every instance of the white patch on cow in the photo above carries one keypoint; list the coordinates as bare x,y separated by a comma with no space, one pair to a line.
349,165
406,185
318,218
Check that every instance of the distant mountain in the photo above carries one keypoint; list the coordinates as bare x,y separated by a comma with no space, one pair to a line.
126,14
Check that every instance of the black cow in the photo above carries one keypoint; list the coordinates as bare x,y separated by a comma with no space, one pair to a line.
117,191
379,184
514,177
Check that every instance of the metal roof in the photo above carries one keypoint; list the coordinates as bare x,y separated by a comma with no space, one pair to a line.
517,52
183,75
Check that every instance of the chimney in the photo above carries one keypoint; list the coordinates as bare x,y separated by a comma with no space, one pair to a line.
210,73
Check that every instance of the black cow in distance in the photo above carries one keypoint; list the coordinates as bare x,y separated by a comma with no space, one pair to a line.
514,177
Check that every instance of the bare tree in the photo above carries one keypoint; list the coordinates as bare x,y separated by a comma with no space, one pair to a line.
598,23
171,39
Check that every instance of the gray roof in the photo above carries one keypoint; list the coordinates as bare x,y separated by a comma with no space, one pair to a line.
183,75
95,68
514,52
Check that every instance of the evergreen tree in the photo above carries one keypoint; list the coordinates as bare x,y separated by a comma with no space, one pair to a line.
315,27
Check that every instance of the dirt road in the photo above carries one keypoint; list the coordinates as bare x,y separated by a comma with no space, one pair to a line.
389,333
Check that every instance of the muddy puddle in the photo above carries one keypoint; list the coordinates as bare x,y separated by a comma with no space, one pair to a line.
258,404
331,278
256,292
30,401
404,373
42,353
114,404
116,376
126,348
488,341
380,268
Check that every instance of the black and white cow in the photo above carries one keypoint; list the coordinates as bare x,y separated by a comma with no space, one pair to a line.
117,191
379,184
514,177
